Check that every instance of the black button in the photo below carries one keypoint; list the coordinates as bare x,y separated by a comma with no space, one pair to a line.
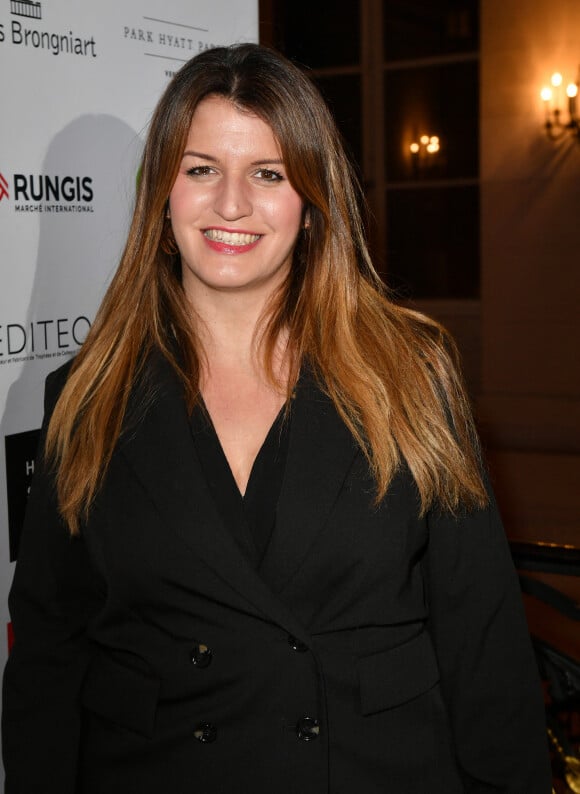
201,656
307,729
296,644
205,732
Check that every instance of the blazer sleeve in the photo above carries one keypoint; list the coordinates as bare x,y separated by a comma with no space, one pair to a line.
53,595
489,676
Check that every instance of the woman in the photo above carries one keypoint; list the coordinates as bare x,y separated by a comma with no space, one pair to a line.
259,552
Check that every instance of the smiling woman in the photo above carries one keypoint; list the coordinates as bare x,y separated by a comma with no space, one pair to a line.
260,551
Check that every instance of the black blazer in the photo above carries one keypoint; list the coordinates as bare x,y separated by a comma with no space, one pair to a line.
374,651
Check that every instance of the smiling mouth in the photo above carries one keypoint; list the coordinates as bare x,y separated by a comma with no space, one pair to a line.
231,238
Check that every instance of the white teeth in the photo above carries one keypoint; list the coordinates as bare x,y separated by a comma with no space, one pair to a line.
230,238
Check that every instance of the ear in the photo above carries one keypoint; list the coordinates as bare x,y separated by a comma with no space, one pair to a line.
306,219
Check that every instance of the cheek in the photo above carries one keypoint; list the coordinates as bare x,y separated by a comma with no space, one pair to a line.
294,217
178,202
286,214
184,201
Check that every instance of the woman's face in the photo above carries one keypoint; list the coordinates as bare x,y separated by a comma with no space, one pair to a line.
234,214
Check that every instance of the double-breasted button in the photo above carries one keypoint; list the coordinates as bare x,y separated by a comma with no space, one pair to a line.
297,645
307,729
205,732
201,655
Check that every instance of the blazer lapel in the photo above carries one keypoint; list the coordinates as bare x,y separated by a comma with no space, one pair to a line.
320,453
161,451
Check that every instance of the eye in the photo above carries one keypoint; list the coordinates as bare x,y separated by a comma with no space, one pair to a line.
269,175
200,170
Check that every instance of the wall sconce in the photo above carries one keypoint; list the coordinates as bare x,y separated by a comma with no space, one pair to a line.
427,146
552,97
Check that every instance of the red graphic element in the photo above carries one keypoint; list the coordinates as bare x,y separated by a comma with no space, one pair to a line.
10,634
3,187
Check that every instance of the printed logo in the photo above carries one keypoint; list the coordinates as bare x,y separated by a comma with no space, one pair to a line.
24,32
3,187
168,39
20,450
34,193
25,8
39,339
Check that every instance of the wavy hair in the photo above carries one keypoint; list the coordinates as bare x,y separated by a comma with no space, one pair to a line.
392,373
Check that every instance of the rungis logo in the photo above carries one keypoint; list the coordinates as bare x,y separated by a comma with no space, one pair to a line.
42,193
3,187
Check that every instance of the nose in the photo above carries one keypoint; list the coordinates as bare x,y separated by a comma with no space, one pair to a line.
232,200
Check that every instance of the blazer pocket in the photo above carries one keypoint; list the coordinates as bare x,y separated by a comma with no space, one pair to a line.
121,694
391,678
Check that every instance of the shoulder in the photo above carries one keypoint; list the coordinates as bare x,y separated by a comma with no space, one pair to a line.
54,384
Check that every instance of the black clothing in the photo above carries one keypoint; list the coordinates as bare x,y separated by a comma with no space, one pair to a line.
374,650
251,517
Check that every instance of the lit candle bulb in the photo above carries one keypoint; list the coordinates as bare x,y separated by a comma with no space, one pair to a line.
572,92
556,81
414,147
546,94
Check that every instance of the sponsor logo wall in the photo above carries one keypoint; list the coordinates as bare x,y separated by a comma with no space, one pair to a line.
79,83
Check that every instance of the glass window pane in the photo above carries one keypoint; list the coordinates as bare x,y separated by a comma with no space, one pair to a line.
422,28
319,34
343,94
433,242
441,101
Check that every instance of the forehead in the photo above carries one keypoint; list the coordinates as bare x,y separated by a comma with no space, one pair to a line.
220,123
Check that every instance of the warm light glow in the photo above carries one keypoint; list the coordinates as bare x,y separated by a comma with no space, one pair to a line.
426,144
561,113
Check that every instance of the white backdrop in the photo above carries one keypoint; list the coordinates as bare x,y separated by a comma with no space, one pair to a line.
78,83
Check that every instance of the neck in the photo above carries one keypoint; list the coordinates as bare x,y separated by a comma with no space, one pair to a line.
229,328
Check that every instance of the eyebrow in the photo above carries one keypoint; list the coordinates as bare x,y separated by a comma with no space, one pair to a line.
263,161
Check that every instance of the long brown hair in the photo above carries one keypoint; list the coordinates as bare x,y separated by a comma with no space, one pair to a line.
391,372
